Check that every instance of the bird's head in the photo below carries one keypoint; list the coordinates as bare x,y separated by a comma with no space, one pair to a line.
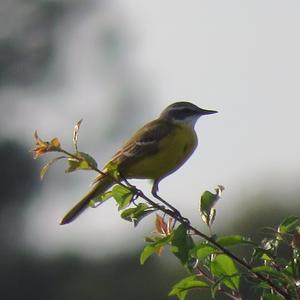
184,112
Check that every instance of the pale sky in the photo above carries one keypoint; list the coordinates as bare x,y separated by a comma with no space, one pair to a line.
238,57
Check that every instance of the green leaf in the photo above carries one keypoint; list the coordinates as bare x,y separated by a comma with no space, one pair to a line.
89,160
288,270
266,257
73,165
122,195
233,240
262,253
214,288
84,162
45,168
271,271
223,266
182,243
152,248
271,297
75,135
150,239
130,213
207,202
203,250
100,199
136,214
181,288
289,224
112,169
261,284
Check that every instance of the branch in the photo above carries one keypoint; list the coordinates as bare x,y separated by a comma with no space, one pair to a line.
186,222
182,220
43,147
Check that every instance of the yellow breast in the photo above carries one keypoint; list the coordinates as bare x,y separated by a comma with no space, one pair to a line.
173,151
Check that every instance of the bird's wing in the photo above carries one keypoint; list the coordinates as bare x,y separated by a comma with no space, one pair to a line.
144,142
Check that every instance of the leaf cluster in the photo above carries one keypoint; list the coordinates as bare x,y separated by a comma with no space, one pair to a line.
209,259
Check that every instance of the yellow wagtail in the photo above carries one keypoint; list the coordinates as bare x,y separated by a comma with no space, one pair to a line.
156,150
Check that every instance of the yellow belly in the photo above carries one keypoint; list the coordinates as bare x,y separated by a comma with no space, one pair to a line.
174,150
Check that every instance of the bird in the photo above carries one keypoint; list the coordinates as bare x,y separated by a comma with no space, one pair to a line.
155,151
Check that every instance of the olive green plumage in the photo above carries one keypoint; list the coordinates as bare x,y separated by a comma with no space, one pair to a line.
156,150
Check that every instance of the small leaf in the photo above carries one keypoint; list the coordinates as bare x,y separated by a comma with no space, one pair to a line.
260,285
136,214
207,202
271,271
100,199
214,288
164,227
289,224
266,257
181,288
150,239
203,250
45,168
73,165
129,213
84,162
160,224
262,253
43,147
122,195
288,270
271,297
223,266
152,248
182,243
89,159
280,276
233,240
75,135
112,169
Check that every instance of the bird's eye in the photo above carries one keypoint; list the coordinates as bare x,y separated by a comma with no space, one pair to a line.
187,111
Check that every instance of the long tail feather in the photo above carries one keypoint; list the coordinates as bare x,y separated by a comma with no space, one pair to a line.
103,183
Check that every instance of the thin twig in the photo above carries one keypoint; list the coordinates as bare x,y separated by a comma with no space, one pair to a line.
225,251
212,281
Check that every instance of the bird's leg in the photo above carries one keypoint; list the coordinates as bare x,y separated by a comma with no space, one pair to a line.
155,195
127,182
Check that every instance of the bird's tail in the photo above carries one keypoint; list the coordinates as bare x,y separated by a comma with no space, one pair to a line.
102,184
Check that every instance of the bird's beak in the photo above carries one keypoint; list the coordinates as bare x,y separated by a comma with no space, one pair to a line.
203,112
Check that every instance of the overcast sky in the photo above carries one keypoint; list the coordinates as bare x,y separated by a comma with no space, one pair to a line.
238,57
